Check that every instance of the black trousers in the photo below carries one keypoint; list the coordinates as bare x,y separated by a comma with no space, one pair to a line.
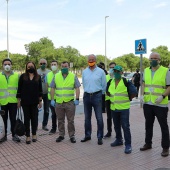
10,108
137,88
150,112
109,116
30,114
53,116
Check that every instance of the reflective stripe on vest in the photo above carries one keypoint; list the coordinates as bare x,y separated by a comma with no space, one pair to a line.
64,87
119,96
107,79
8,90
50,77
156,86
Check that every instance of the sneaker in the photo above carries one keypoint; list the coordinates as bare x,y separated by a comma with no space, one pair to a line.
116,143
107,135
128,149
45,128
3,139
59,139
165,152
52,131
16,138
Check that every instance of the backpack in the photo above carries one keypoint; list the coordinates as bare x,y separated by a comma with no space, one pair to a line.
131,89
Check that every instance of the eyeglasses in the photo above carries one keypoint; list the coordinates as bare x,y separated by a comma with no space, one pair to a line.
42,63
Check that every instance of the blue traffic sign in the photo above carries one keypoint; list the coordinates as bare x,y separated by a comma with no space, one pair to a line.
140,46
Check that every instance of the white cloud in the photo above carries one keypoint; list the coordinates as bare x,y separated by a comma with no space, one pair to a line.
93,30
119,2
162,4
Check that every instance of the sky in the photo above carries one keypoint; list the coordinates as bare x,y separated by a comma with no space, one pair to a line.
81,24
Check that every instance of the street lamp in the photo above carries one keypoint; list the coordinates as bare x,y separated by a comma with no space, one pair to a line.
7,31
105,43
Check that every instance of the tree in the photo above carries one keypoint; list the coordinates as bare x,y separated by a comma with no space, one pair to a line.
44,48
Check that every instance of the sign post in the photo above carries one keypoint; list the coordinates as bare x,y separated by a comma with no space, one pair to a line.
140,48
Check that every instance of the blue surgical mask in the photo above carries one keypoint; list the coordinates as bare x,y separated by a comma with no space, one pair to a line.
111,70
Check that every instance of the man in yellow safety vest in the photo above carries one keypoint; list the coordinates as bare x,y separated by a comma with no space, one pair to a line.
49,78
156,83
8,101
64,85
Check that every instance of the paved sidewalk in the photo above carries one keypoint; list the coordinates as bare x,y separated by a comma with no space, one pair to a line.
47,154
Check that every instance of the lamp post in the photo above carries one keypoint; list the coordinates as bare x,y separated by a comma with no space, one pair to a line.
7,31
105,43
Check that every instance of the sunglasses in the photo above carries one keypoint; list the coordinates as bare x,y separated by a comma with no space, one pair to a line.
42,63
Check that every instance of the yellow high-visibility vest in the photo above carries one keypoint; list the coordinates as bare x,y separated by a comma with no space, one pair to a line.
107,79
64,87
8,89
50,77
156,86
118,96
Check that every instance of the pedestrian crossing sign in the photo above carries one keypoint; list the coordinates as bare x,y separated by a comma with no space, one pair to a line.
140,46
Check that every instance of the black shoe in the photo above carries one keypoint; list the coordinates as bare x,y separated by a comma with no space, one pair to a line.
107,135
52,131
165,152
16,138
146,147
59,139
2,112
100,142
73,140
3,139
45,128
28,140
34,138
86,139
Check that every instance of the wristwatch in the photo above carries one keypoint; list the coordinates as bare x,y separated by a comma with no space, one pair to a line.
163,96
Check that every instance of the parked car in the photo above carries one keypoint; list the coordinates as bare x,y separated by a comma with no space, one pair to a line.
130,76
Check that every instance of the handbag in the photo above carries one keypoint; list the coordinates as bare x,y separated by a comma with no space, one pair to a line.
19,128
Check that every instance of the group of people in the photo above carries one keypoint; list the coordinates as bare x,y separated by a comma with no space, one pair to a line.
60,92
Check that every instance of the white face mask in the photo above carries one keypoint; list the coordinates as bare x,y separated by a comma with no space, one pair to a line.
7,68
53,68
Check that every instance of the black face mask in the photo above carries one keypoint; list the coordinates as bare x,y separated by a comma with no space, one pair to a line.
31,70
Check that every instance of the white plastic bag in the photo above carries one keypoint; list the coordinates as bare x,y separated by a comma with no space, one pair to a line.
2,128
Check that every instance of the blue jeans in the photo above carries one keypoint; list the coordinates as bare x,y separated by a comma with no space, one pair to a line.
46,109
93,101
121,118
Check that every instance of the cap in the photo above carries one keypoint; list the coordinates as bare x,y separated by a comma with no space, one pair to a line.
119,68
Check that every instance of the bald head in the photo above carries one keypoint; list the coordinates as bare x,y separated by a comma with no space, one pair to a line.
154,56
91,58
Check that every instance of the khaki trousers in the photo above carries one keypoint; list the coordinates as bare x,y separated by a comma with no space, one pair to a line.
66,109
